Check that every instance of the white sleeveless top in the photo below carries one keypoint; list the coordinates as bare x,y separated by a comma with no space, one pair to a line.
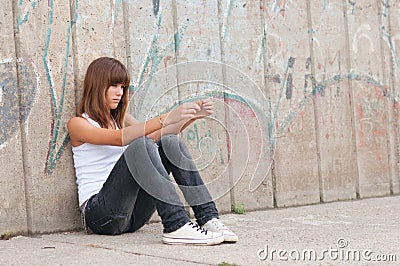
93,164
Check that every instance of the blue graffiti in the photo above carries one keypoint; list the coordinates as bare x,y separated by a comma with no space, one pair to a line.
54,153
15,105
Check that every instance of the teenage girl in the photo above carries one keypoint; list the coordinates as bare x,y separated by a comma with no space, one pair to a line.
122,165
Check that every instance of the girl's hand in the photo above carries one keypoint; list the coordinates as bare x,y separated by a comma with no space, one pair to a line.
206,108
185,111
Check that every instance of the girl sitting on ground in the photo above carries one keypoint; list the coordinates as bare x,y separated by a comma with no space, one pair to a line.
123,165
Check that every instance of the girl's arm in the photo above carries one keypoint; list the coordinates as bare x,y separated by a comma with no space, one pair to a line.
81,131
170,129
207,108
156,135
130,120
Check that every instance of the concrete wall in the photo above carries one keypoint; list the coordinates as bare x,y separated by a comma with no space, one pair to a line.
306,95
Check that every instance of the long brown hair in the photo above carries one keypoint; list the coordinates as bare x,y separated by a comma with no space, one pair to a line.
100,75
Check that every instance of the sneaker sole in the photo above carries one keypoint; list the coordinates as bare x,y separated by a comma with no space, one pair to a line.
197,242
231,239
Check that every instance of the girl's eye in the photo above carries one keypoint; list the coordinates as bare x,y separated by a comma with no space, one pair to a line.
116,85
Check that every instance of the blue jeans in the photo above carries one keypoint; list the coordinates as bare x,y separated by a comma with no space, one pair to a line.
139,184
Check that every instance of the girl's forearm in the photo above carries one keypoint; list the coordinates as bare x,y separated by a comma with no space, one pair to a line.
142,129
170,129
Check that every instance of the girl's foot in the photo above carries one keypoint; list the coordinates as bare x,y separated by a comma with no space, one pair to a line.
193,234
215,225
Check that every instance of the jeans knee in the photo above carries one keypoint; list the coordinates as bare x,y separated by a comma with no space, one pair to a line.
172,140
140,140
140,144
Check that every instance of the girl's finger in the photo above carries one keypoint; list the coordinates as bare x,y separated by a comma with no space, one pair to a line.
189,111
208,102
196,105
187,116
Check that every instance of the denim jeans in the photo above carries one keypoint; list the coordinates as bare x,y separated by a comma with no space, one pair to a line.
139,184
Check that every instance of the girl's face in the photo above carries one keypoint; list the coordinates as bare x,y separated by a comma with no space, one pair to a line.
114,94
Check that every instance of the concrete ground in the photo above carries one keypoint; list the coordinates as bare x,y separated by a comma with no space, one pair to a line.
357,232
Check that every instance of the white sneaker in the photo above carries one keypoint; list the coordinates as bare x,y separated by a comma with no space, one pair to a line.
192,234
215,225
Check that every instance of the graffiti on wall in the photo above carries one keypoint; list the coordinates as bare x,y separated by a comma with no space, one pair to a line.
157,54
55,151
16,104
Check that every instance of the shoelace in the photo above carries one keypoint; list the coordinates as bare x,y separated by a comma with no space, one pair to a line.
198,228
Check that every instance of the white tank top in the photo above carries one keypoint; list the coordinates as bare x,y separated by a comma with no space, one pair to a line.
93,164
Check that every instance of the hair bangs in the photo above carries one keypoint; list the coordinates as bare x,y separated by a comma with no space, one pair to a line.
119,75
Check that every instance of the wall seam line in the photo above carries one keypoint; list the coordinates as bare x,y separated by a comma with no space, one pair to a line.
226,110
392,158
351,100
315,105
27,183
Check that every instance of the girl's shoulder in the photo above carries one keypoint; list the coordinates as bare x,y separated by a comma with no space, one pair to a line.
76,119
83,130
83,119
76,122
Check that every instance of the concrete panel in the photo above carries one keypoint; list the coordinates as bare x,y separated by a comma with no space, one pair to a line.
12,190
391,44
370,102
44,40
93,34
246,104
200,41
151,60
332,102
288,67
119,29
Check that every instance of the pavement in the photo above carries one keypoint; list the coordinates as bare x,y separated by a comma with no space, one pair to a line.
359,232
